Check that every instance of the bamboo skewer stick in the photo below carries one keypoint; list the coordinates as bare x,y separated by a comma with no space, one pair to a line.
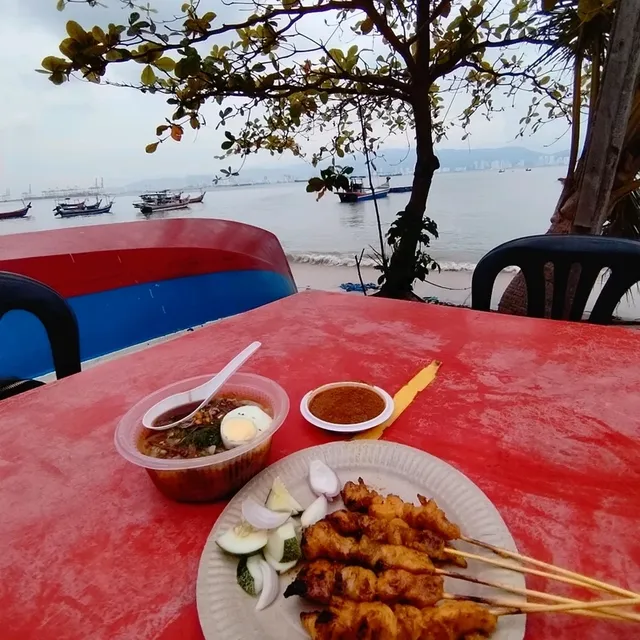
598,584
532,607
517,607
537,572
612,614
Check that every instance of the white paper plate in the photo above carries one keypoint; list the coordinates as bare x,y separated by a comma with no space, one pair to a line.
228,613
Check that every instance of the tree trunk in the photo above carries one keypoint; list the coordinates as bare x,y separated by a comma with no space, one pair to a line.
402,266
401,272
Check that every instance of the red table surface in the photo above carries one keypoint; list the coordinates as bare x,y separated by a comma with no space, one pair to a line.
543,416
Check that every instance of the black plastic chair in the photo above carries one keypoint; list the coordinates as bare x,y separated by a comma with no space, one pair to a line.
21,293
533,253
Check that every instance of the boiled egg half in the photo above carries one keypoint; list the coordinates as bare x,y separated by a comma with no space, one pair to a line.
242,425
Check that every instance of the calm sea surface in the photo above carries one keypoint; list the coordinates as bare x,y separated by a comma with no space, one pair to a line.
475,211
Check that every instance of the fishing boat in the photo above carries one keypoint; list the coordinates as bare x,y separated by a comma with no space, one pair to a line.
87,211
357,191
18,213
198,199
133,282
158,201
78,207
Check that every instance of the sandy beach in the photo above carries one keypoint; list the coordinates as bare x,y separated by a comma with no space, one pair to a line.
448,286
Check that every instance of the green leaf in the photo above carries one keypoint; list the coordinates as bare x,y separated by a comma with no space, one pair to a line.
366,26
210,16
75,31
165,64
185,7
544,80
227,144
148,77
353,50
134,17
161,129
58,77
315,184
151,148
60,5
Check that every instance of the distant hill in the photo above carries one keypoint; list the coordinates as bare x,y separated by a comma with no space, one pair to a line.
389,161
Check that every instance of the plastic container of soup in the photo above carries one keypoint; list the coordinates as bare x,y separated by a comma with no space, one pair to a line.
213,477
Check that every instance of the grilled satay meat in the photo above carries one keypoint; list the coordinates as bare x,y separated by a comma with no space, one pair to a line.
375,620
462,618
322,580
427,516
347,620
394,531
322,541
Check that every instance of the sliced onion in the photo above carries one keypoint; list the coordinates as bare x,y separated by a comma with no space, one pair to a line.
270,586
260,517
323,479
315,511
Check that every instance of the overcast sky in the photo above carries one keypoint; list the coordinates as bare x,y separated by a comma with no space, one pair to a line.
62,136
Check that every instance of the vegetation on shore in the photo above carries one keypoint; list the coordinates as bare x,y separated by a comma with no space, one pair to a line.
281,76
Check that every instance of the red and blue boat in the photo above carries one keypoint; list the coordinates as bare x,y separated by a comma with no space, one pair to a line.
130,283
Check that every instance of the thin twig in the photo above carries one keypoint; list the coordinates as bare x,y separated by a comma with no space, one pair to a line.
373,191
358,261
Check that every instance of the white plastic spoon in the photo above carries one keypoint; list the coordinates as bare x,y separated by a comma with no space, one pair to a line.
206,391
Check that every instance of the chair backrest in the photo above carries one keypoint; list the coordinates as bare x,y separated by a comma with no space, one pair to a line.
533,253
21,293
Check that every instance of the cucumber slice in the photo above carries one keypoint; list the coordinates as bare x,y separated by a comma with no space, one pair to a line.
279,499
249,574
242,540
280,567
283,545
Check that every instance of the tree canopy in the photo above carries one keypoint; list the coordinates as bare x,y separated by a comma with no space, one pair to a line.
351,71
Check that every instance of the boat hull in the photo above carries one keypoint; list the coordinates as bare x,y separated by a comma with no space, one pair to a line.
132,282
197,199
84,212
400,189
20,213
359,196
148,209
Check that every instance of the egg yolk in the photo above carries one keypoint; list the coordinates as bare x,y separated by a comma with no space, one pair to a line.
239,429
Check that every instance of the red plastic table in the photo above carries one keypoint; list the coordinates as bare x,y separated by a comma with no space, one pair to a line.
544,416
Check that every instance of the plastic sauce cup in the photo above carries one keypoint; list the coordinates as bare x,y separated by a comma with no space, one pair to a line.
347,428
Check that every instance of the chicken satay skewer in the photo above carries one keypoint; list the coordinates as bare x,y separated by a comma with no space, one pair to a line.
359,497
504,553
579,582
322,541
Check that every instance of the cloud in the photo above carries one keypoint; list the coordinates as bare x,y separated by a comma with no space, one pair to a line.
60,136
